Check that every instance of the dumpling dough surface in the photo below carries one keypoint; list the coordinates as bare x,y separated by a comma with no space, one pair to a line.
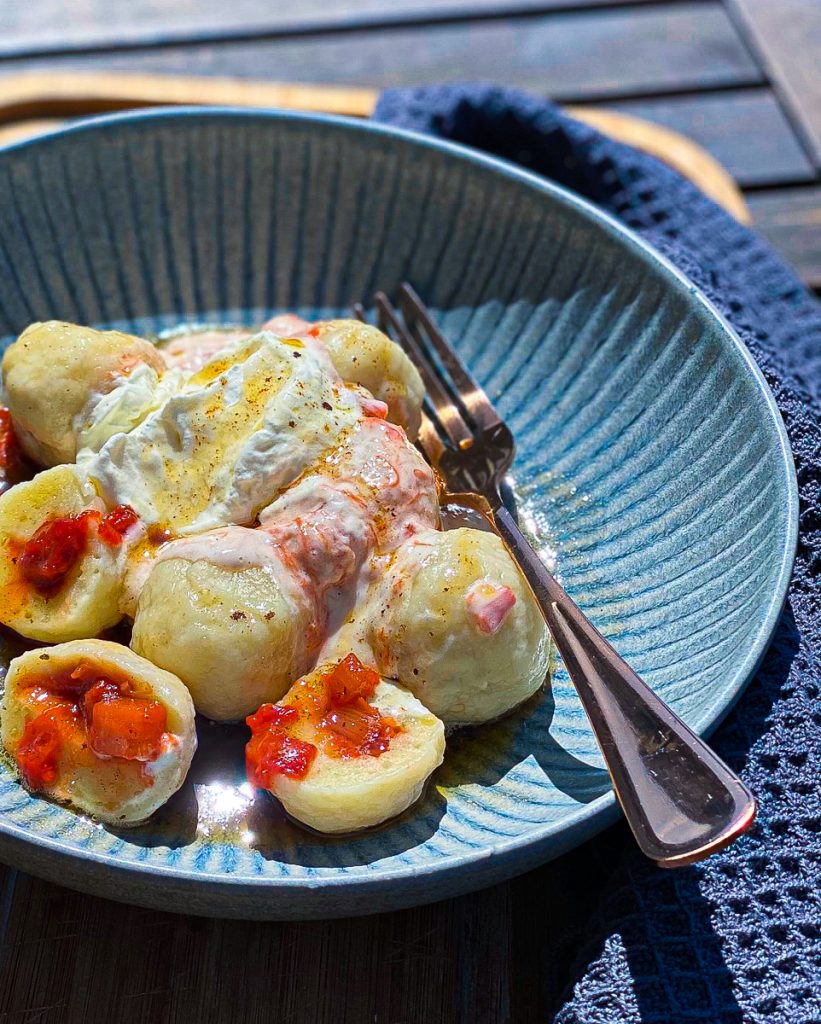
112,789
461,628
53,371
364,355
236,636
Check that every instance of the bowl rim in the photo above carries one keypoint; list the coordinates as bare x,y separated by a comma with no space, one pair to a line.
588,819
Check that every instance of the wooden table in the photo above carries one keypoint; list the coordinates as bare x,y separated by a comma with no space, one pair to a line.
743,78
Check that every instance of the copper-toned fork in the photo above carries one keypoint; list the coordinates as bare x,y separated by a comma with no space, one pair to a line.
680,799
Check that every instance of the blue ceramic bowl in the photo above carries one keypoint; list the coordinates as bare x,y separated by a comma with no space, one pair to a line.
652,460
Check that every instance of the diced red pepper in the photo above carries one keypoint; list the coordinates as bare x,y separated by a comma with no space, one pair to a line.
271,750
270,714
350,679
337,705
116,524
127,727
351,725
355,730
274,752
38,752
102,689
54,550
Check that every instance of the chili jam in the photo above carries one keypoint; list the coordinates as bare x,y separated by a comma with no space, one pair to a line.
54,550
85,711
336,706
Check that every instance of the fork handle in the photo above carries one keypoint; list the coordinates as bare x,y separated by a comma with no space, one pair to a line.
680,799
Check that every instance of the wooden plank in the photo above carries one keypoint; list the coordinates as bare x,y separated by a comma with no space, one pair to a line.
791,220
55,25
566,56
70,959
746,131
787,35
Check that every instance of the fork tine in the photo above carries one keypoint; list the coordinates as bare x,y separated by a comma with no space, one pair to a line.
443,405
471,394
429,440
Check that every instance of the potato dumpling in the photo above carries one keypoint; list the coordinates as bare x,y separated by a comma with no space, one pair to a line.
302,752
236,637
461,628
58,579
91,724
54,370
364,355
190,352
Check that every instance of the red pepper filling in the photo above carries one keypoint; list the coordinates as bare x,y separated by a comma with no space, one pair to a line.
271,751
12,460
337,703
351,725
115,524
54,550
128,727
94,712
39,750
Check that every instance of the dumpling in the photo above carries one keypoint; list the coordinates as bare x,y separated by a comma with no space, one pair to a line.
90,724
364,355
236,636
461,628
344,750
62,557
56,373
190,352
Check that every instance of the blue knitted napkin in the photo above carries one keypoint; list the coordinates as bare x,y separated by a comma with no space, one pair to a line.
737,938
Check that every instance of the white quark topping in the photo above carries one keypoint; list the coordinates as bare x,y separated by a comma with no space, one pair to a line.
237,433
169,755
122,407
232,547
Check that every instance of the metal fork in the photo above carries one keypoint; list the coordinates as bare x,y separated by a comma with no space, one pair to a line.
680,799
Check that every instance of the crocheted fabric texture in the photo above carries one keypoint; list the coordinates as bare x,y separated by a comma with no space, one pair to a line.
737,938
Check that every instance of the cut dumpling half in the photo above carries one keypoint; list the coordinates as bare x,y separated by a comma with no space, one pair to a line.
344,750
63,381
90,724
460,627
62,557
228,619
364,355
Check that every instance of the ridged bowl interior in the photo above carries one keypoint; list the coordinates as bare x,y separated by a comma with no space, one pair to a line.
651,460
